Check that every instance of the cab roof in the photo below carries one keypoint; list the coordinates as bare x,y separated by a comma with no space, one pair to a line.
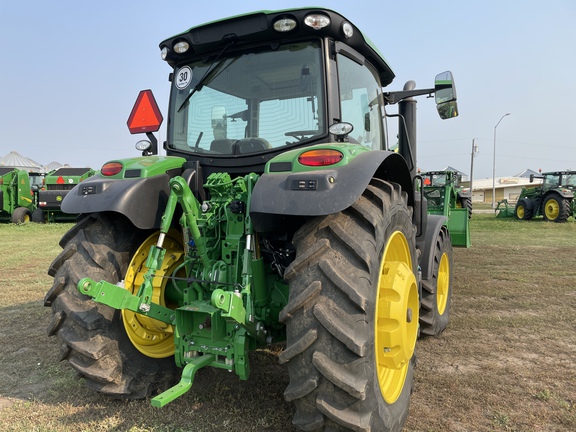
257,27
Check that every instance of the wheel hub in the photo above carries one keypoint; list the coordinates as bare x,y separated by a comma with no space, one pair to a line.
552,209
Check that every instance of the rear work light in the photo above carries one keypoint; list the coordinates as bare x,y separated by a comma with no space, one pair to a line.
285,24
317,21
111,168
320,157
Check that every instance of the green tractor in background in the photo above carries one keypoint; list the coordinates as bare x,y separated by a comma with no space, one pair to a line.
446,197
16,197
278,214
56,185
553,199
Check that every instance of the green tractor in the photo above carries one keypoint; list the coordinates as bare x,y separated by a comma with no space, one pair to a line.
277,215
56,186
553,199
446,197
16,197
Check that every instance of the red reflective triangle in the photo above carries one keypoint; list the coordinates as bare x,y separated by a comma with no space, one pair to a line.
145,115
60,180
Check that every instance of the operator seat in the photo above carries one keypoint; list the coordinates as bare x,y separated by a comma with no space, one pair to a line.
222,145
251,145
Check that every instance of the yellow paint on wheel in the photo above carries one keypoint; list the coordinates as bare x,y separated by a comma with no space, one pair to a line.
443,283
551,209
396,317
151,337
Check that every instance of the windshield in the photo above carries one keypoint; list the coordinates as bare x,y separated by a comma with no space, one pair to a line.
249,102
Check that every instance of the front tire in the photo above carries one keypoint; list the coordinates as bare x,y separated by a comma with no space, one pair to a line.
352,316
21,215
523,211
91,335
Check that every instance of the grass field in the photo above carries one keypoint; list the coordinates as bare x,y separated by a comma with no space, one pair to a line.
507,361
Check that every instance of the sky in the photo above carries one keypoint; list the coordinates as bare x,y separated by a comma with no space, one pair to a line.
71,72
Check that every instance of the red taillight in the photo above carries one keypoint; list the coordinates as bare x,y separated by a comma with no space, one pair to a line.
320,157
111,168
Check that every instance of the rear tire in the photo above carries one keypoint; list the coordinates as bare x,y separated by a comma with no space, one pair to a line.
91,335
467,204
352,316
437,290
556,208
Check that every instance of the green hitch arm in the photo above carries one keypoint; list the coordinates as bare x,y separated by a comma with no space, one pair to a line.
153,262
190,207
185,382
120,298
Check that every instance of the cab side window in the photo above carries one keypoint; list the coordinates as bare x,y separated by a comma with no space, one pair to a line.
361,102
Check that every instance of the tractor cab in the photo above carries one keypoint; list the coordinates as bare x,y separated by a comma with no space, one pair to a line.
243,94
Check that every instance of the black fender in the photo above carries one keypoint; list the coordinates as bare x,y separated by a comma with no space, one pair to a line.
141,200
321,192
463,194
564,193
527,202
428,245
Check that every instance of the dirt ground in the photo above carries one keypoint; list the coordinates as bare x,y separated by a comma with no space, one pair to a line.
507,361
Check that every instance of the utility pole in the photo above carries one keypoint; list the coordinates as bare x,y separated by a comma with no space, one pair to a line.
474,150
494,164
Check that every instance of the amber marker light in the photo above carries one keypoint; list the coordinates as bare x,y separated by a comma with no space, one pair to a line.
322,157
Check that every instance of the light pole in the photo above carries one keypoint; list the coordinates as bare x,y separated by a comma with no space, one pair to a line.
474,150
494,164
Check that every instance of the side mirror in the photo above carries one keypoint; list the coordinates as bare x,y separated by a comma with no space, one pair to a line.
445,95
531,178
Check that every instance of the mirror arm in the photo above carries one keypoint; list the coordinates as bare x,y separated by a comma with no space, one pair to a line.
395,97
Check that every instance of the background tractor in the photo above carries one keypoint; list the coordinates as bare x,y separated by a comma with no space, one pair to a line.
278,214
446,197
16,197
56,186
553,199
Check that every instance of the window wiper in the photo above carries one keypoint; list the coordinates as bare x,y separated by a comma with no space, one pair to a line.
214,66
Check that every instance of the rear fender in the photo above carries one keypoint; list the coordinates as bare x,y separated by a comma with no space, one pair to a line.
528,203
277,195
139,192
563,192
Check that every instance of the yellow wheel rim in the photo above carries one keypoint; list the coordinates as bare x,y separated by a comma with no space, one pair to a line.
520,212
151,337
552,209
443,283
396,317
